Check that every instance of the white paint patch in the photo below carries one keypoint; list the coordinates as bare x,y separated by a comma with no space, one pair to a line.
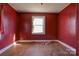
0,35
14,38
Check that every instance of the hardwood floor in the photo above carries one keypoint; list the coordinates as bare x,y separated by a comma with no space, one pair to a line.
38,49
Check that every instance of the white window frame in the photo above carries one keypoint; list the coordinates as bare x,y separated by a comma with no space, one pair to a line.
43,24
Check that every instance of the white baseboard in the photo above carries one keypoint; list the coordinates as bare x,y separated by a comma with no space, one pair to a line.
64,44
35,40
4,49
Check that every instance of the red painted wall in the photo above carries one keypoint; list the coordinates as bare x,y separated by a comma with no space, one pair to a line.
8,17
0,17
25,26
77,29
66,30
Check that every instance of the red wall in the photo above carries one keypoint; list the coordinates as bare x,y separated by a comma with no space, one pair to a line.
25,26
8,17
77,29
0,17
66,30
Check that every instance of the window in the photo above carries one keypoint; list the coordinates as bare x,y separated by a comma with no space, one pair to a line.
38,24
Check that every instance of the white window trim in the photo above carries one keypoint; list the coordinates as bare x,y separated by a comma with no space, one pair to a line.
43,25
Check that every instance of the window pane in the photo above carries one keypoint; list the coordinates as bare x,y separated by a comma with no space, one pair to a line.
37,29
38,24
38,21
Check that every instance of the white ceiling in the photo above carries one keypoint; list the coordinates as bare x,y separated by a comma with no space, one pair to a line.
37,7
